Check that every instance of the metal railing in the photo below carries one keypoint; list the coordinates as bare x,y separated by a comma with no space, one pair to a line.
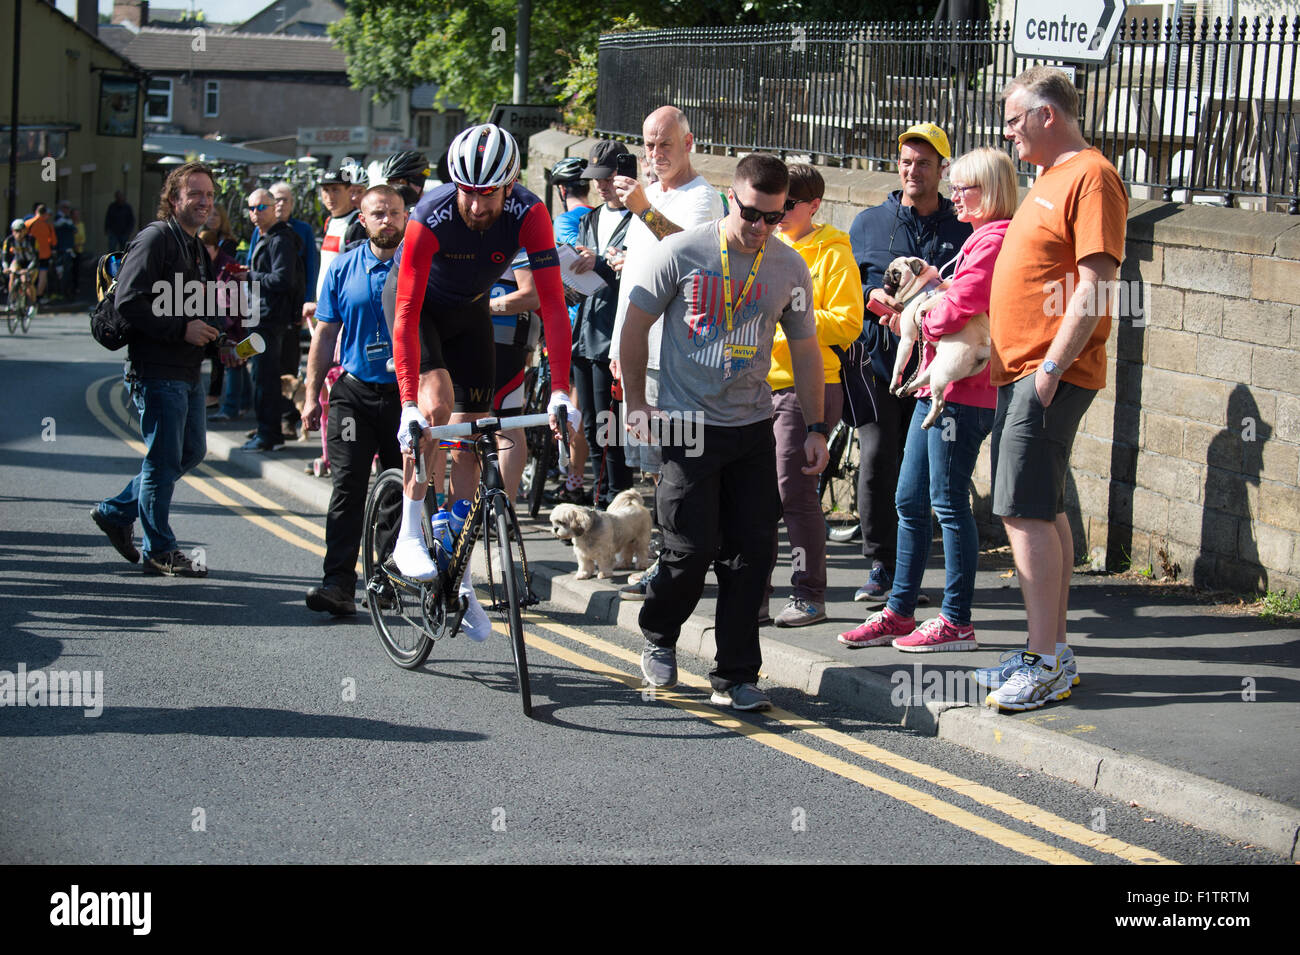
1187,111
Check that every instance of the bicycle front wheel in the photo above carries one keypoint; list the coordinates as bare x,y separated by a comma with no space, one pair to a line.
838,490
16,304
25,317
516,589
393,611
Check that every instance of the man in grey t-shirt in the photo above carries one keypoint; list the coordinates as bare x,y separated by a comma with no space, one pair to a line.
721,289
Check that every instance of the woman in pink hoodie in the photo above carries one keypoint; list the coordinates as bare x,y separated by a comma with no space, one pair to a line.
938,462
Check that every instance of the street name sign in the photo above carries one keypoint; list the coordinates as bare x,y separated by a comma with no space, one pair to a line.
1077,30
522,120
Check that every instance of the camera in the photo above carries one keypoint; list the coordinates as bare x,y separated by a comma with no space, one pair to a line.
625,165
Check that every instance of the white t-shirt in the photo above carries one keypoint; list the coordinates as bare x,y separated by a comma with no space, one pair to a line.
332,245
606,226
687,206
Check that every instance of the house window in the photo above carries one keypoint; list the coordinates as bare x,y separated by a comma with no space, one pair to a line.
212,98
425,126
158,106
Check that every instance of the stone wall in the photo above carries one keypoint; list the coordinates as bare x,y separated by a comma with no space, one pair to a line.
1193,447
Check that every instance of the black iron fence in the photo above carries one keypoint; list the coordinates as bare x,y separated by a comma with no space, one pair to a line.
1187,111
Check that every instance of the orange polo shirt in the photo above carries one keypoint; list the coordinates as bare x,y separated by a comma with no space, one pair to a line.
1076,209
42,233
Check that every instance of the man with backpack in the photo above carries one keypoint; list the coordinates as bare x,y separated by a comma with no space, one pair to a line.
164,351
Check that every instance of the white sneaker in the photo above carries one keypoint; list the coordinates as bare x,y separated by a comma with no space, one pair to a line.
413,560
990,678
475,624
1031,686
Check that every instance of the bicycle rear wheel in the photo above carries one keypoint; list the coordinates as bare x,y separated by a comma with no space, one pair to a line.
25,316
516,589
838,488
394,612
17,303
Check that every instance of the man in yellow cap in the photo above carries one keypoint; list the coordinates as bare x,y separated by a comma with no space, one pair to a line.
915,221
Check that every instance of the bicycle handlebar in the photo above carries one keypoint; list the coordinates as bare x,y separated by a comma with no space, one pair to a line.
485,425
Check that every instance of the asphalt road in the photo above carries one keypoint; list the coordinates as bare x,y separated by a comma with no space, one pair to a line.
237,726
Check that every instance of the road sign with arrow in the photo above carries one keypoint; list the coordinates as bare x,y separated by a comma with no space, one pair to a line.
1077,30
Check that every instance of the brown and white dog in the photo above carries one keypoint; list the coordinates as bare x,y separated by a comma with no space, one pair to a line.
956,356
609,539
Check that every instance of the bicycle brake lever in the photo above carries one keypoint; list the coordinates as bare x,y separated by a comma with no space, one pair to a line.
416,432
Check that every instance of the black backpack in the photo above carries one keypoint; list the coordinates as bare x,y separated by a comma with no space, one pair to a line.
107,326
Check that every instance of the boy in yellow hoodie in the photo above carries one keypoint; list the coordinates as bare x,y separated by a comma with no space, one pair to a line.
837,302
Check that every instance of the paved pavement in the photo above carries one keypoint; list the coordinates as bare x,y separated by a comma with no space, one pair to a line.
1183,708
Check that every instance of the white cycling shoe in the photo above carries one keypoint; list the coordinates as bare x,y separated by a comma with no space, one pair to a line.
412,559
475,623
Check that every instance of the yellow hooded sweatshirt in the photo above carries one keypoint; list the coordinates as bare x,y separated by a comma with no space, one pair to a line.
837,301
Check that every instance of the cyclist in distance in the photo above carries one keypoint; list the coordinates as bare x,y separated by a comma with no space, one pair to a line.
457,242
18,255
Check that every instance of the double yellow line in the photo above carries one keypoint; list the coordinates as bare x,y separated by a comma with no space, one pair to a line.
791,725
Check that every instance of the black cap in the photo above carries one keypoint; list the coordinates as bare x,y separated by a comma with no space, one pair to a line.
604,156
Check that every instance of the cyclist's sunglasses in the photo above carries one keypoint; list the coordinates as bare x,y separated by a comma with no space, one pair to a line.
752,214
260,207
479,190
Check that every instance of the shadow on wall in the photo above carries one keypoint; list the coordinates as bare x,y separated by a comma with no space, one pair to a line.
1229,555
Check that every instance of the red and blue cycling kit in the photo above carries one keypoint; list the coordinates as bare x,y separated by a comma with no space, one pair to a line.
444,274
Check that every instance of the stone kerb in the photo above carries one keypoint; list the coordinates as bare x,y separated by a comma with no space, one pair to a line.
1193,447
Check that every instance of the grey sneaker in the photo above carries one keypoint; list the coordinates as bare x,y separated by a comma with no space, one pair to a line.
659,665
1030,686
990,678
742,696
800,613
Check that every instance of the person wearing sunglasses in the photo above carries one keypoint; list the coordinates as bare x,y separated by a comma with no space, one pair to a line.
722,289
277,272
914,220
837,311
459,238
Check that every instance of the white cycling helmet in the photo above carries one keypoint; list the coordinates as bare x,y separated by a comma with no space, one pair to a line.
17,224
483,157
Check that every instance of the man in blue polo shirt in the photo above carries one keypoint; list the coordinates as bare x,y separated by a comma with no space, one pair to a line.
365,411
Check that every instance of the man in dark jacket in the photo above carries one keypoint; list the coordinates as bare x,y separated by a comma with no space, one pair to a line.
119,222
601,238
165,351
913,221
278,275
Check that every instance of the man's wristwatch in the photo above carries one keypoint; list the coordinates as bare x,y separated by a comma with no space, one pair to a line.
648,214
1052,368
820,428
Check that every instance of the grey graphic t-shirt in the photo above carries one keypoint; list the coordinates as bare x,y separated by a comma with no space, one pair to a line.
702,367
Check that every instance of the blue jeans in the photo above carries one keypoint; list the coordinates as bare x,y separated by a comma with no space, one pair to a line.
936,472
174,428
236,391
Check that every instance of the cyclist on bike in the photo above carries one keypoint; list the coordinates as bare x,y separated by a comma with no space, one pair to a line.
18,254
458,240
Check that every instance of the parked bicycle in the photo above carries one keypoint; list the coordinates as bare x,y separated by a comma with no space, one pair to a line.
837,488
409,616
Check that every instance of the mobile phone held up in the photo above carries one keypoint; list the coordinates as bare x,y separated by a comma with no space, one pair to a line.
625,165
880,308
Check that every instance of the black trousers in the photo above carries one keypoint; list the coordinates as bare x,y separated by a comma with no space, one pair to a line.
267,399
592,380
363,421
718,507
881,447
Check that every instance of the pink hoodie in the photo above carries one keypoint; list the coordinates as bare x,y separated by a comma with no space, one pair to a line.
967,295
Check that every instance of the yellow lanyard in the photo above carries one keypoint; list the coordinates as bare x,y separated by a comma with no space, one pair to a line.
728,306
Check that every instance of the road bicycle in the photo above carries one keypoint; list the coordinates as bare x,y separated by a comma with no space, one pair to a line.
22,305
410,615
837,487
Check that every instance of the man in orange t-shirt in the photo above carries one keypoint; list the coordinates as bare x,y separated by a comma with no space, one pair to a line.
41,229
1049,320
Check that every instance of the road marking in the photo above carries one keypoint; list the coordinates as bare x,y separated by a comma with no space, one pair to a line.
1017,842
204,487
985,795
991,798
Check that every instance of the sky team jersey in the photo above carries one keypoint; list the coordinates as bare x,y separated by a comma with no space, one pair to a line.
445,262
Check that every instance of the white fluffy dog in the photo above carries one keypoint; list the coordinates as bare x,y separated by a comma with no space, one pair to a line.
606,540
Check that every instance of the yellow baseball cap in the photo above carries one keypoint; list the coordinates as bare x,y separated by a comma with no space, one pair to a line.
932,134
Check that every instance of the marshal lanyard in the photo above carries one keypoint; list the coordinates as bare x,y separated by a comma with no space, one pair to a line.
729,307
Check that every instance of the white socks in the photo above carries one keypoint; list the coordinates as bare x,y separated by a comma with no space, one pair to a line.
475,623
410,554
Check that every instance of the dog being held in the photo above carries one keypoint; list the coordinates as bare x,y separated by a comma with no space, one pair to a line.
956,356
606,540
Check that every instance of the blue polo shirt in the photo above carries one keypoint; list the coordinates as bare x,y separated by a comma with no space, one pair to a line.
351,294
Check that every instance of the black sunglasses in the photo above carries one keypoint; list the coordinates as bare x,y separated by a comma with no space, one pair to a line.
791,203
753,214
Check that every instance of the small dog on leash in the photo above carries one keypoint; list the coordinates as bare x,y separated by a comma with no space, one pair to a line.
606,540
956,356
295,389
